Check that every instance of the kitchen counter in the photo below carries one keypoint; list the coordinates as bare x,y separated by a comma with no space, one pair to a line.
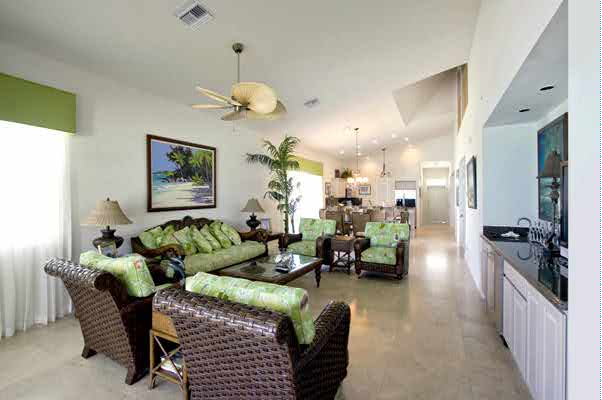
550,279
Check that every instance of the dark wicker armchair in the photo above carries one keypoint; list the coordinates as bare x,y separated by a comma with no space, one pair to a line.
233,351
319,247
112,322
394,261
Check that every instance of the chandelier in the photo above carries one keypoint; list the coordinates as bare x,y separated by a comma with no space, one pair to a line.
384,173
357,177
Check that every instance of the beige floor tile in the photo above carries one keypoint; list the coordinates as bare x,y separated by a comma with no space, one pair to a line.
426,337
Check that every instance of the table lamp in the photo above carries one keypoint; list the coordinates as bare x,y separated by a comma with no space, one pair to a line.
107,213
552,169
253,206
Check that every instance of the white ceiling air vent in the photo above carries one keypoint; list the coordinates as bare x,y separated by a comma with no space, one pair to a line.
312,102
193,14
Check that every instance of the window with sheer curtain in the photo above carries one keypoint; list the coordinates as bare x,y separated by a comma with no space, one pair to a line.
36,225
310,190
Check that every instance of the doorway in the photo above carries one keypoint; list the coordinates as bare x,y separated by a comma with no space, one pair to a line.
436,196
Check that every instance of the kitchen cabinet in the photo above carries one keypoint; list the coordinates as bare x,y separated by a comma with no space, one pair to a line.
535,331
338,187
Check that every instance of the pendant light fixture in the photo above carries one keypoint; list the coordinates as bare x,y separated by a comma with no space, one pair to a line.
384,173
357,176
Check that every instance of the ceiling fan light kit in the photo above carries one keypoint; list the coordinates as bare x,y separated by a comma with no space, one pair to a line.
248,100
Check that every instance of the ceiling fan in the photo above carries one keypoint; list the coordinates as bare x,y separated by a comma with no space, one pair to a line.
248,100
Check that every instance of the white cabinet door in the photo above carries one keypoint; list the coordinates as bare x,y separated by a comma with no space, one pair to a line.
519,335
553,354
508,311
534,342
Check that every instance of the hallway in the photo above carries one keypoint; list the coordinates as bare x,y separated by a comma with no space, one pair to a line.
426,337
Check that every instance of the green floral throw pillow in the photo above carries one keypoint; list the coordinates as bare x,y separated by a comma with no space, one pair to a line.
210,238
291,301
216,230
184,237
200,242
131,270
232,234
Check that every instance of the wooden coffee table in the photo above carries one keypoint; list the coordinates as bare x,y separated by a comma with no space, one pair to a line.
264,269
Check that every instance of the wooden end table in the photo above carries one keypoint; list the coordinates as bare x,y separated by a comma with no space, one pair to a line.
164,333
341,248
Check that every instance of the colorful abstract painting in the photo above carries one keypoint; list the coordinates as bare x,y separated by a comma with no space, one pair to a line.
553,136
181,175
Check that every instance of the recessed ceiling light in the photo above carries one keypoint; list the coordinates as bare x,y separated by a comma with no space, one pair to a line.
375,141
522,110
407,139
342,151
394,135
347,130
545,88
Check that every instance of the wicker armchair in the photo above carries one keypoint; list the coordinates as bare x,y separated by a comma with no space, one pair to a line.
397,265
112,323
319,248
233,351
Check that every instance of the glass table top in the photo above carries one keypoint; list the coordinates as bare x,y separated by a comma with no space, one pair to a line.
266,267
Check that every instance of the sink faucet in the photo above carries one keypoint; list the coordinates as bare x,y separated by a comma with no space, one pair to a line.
523,219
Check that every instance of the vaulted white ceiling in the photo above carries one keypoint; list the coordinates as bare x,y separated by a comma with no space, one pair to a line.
352,55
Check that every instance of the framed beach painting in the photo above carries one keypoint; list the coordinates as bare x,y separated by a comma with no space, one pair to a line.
552,137
180,175
471,183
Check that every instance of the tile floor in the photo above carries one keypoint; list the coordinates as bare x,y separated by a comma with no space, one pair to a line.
426,337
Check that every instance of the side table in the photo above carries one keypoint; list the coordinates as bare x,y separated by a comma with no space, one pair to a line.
341,248
163,334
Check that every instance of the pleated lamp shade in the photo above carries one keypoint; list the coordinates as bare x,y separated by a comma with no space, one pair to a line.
253,206
107,213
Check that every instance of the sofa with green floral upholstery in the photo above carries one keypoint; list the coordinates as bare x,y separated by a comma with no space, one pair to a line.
385,249
312,240
205,245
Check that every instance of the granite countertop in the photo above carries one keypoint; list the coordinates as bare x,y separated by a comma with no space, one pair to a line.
544,276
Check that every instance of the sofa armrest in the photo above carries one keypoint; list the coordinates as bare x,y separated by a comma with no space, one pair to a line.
258,235
77,275
289,238
359,246
332,330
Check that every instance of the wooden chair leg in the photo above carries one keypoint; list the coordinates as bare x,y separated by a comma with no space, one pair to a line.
88,352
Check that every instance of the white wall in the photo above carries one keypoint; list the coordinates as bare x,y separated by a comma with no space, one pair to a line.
584,201
510,170
403,161
506,32
108,154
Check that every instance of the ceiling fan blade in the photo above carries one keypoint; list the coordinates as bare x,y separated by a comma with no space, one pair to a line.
217,97
210,106
279,112
234,116
257,97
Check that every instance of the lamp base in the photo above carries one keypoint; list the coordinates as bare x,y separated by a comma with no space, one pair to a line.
252,222
108,235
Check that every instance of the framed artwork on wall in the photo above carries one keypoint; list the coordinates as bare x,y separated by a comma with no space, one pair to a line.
364,190
471,183
552,137
180,175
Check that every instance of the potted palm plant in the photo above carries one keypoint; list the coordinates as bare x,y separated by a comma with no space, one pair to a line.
279,160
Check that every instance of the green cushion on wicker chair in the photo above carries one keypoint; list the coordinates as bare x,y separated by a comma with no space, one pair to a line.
287,300
382,234
304,247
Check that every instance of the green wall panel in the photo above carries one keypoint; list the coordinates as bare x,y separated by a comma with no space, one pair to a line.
30,103
310,166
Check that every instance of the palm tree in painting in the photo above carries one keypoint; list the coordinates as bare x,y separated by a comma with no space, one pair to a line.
180,160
